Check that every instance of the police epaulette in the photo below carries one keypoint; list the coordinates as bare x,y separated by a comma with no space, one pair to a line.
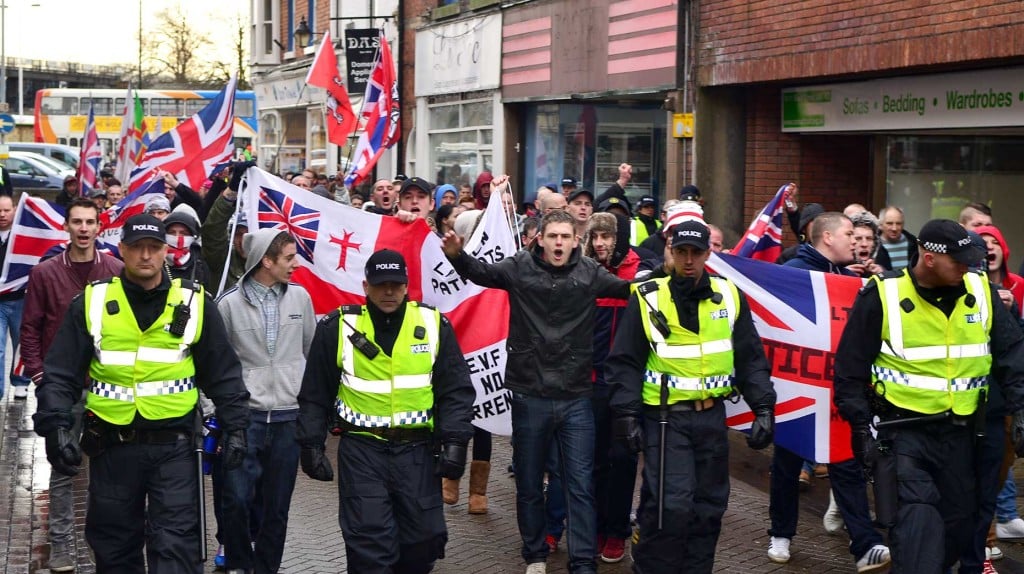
890,274
425,305
647,287
102,281
190,284
328,317
350,309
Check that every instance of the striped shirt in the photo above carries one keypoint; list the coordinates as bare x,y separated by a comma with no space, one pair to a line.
899,252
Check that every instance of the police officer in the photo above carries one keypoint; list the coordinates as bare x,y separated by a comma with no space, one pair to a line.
391,376
685,344
917,352
148,345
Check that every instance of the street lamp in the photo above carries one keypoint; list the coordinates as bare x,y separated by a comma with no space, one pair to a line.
303,33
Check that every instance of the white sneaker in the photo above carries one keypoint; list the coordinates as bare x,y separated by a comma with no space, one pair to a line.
778,550
993,554
1012,530
21,392
537,568
876,558
833,520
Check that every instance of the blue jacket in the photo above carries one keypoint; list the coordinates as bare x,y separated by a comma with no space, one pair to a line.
807,257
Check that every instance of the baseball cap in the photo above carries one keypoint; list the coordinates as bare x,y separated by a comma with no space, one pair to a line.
578,192
693,233
399,178
570,181
689,192
615,202
949,237
386,266
142,226
70,178
98,192
645,201
417,182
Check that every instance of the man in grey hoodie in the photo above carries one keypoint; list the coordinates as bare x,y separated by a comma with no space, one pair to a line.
270,324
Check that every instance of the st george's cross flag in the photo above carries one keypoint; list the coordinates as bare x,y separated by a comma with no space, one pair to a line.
800,316
340,118
763,239
333,242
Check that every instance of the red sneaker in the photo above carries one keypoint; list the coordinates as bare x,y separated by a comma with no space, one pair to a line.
988,568
552,543
601,540
614,550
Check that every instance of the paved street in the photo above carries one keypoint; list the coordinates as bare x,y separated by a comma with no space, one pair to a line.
477,544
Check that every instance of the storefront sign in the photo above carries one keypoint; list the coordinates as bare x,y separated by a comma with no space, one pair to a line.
287,93
459,57
990,98
360,54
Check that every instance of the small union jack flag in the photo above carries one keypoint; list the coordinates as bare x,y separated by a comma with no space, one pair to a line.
90,156
38,227
763,239
278,210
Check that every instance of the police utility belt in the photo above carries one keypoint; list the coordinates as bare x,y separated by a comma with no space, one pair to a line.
896,417
99,435
685,406
389,434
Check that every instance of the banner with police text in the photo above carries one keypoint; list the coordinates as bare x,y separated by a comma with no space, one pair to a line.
800,316
334,241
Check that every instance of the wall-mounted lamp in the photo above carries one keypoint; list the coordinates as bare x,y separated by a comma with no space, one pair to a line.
302,33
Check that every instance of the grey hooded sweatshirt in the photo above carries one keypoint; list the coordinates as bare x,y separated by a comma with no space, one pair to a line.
273,381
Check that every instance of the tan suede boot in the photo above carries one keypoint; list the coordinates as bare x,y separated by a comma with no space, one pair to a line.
450,490
479,471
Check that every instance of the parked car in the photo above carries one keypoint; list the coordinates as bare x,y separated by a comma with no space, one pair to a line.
62,153
31,170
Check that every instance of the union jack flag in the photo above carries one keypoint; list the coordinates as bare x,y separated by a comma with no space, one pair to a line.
134,137
763,239
38,227
381,113
192,149
90,157
800,317
279,210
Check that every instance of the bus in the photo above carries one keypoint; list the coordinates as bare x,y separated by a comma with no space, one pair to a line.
61,114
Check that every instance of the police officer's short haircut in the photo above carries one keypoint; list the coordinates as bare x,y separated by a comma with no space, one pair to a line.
277,245
829,221
557,216
83,202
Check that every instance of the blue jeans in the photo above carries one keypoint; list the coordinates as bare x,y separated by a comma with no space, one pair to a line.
10,323
555,507
536,422
1006,501
273,460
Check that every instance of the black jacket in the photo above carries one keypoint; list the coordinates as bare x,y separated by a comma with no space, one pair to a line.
551,323
627,362
453,389
862,341
218,371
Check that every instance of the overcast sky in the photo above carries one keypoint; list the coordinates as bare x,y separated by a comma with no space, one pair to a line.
104,32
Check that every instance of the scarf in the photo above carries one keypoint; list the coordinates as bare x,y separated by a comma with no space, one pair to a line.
179,249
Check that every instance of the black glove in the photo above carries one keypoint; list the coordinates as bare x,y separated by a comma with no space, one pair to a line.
237,170
233,446
629,433
762,430
863,444
452,463
1017,433
315,464
63,452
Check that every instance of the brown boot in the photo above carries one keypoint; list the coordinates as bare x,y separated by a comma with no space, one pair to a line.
479,471
450,490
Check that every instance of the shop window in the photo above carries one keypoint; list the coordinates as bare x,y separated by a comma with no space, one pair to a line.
461,141
935,176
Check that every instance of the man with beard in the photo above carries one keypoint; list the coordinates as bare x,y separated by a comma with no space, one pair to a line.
830,250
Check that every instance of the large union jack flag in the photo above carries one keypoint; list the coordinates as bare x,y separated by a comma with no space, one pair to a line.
192,149
800,317
38,227
279,210
90,157
763,239
381,113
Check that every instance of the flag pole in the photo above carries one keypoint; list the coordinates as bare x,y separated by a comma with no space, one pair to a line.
359,117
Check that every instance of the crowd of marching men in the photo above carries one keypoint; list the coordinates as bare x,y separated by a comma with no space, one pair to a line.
206,237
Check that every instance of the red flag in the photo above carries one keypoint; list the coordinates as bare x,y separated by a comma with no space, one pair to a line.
341,119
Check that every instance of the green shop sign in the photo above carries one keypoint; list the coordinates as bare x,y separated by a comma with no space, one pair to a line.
991,98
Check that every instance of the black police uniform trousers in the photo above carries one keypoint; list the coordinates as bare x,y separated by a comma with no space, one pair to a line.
696,492
937,495
144,494
391,513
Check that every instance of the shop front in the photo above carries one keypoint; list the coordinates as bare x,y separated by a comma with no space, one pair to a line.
458,107
291,122
941,140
